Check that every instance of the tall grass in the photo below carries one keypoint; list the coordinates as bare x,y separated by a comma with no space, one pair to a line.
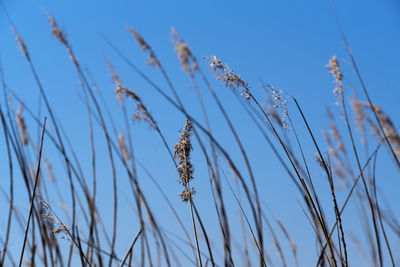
127,230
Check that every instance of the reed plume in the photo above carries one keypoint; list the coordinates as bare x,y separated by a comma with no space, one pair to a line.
23,133
228,76
151,60
182,151
185,56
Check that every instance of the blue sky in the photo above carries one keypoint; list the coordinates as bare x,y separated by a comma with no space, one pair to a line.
284,43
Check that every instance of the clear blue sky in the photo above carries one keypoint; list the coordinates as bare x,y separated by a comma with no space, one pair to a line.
284,43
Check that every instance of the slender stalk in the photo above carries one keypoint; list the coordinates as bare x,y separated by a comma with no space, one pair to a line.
11,175
33,193
129,252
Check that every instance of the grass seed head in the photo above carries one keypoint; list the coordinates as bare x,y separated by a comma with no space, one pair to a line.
185,56
61,36
49,169
387,125
359,115
182,151
116,80
56,31
141,112
334,69
55,227
228,77
23,133
280,102
187,194
21,43
122,147
152,60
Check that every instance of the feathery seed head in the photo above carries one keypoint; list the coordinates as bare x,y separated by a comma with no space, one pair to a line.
23,133
334,69
62,38
280,102
271,111
54,226
185,56
138,38
320,161
141,113
122,147
187,194
388,128
182,154
117,82
387,125
228,77
152,60
129,93
56,32
359,114
21,43
49,169
336,136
